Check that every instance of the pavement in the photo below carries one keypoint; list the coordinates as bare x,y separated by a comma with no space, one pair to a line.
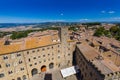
52,75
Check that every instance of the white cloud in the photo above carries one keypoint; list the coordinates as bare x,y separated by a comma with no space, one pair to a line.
84,19
111,12
24,20
116,18
61,14
107,12
103,11
111,19
57,20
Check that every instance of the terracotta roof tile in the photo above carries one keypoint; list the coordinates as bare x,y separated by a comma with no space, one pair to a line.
29,43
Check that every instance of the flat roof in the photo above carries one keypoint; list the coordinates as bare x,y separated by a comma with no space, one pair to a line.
88,52
103,64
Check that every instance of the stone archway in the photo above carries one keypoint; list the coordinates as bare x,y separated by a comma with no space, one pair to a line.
18,78
51,65
43,68
24,77
34,71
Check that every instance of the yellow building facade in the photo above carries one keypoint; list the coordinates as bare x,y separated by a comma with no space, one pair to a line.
34,55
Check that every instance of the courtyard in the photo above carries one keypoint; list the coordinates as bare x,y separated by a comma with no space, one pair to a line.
53,75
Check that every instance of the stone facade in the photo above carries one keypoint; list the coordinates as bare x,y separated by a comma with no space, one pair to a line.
22,65
87,70
94,66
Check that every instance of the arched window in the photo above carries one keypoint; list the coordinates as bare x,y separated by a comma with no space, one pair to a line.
43,68
2,75
34,71
24,77
18,78
51,65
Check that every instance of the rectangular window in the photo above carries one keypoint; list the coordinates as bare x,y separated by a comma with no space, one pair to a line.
43,55
35,63
20,62
5,57
58,51
34,58
30,65
48,48
7,65
43,49
21,69
91,74
29,59
68,48
10,72
44,60
58,57
38,50
52,58
18,54
69,54
52,47
33,51
27,52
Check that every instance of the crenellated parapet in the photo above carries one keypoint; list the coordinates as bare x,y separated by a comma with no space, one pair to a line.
95,68
114,75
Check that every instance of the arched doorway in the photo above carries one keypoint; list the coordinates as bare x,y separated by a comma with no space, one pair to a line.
43,68
34,71
51,65
18,78
24,77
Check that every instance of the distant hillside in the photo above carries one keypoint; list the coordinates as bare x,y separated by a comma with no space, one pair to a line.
45,24
8,25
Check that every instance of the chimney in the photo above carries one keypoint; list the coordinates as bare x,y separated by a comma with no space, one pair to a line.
7,42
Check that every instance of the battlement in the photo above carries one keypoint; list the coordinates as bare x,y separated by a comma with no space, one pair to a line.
96,68
99,63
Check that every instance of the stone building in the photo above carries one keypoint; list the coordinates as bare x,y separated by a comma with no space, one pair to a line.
44,51
24,59
93,65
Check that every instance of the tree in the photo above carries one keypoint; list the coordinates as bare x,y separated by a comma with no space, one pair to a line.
18,35
73,28
114,30
107,33
99,32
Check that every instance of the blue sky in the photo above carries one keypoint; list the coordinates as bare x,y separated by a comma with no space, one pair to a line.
26,11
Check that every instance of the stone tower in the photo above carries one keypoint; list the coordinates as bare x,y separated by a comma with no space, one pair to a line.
63,33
